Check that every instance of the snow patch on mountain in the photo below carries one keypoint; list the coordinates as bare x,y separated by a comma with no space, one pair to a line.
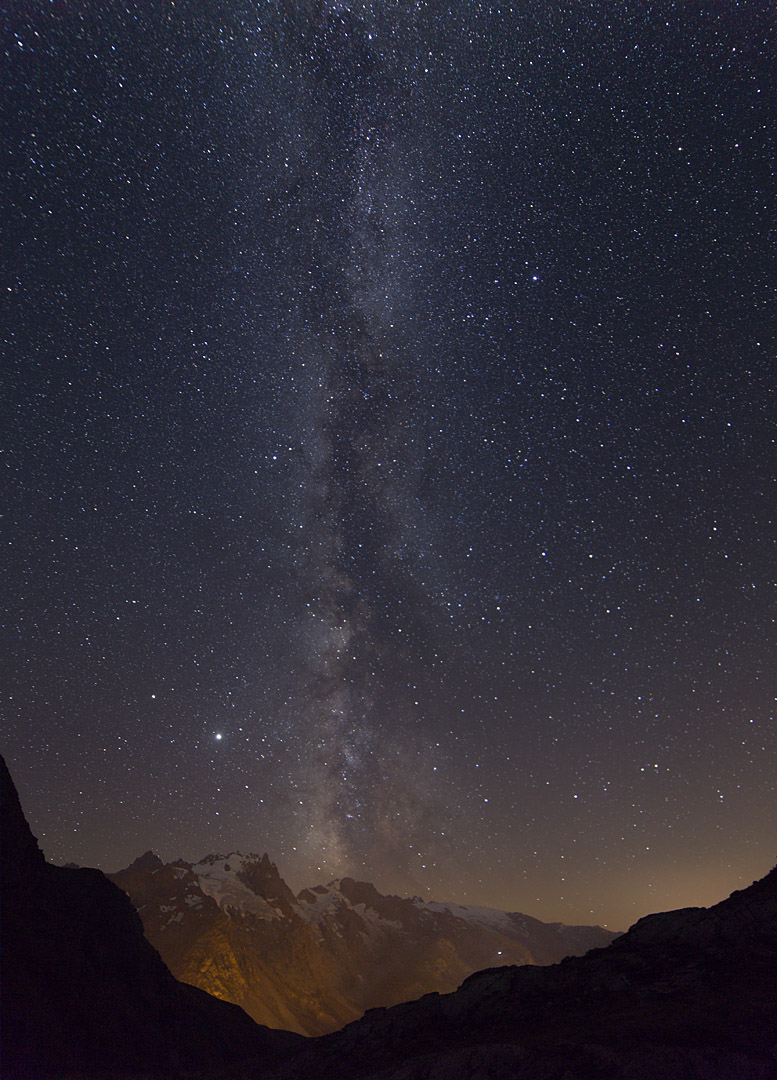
319,903
217,877
499,922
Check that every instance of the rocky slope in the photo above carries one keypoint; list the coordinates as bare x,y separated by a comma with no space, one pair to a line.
684,995
84,995
313,962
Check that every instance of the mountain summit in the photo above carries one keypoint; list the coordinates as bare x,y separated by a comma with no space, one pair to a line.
313,962
683,995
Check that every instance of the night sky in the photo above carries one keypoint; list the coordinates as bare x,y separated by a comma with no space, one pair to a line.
389,430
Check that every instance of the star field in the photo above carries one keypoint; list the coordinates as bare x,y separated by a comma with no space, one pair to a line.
389,442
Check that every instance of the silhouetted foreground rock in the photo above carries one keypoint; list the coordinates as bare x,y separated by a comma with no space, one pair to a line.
684,995
84,994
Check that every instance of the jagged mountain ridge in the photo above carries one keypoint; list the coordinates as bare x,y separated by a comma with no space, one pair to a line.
683,995
84,995
313,962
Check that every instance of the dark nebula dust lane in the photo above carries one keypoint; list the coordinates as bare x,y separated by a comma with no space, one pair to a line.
388,446
365,460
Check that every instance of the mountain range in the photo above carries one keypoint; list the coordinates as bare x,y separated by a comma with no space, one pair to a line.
683,995
313,962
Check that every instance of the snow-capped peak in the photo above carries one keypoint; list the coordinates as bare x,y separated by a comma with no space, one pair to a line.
225,878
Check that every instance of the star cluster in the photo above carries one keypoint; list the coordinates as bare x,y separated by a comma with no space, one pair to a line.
390,442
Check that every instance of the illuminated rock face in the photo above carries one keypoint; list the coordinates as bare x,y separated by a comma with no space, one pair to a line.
311,963
84,994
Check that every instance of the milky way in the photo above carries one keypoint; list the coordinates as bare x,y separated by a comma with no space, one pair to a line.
389,442
363,457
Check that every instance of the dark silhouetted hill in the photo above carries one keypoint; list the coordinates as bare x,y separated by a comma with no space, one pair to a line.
84,995
684,995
